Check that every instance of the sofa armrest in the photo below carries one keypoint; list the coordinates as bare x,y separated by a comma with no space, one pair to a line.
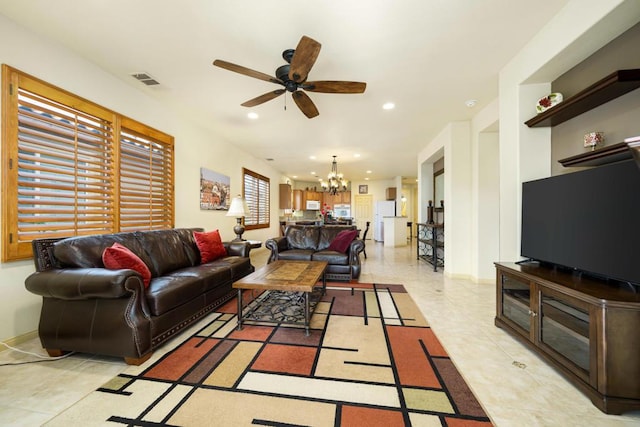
241,249
276,245
356,246
84,283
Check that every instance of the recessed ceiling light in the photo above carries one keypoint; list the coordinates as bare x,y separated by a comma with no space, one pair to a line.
295,176
366,179
368,171
470,103
312,157
253,115
312,173
388,106
356,155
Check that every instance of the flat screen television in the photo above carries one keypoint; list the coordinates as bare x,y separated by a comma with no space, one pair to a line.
588,221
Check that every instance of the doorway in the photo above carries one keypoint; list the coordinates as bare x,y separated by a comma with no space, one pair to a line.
363,210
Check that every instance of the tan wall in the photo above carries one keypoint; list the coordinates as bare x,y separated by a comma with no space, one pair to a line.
618,119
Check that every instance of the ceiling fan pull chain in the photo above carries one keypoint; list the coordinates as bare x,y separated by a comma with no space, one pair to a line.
285,103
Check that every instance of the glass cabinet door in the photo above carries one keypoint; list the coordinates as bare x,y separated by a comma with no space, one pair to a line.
516,301
565,328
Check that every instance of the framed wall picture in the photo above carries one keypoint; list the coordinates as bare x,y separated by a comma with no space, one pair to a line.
363,189
214,190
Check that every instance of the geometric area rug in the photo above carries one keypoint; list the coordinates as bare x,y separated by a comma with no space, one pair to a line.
371,360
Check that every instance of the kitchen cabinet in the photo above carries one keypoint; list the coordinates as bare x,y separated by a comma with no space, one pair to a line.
312,195
285,196
390,193
297,200
341,198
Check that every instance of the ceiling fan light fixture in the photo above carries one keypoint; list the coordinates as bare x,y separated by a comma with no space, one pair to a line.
388,106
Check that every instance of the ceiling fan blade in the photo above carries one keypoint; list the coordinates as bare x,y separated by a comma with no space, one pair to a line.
263,98
303,59
246,71
330,86
305,104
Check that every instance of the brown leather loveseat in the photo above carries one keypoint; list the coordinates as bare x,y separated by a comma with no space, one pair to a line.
91,309
311,243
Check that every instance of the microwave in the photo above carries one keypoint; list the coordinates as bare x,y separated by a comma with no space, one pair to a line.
313,205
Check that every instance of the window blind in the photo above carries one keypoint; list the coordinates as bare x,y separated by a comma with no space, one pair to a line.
257,194
73,168
64,170
146,181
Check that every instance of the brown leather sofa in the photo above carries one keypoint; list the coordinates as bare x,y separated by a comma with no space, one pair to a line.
90,309
311,243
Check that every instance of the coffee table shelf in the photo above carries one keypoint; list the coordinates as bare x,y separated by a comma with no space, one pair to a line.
299,277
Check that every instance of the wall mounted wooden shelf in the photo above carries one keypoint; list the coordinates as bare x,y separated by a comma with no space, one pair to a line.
614,85
602,156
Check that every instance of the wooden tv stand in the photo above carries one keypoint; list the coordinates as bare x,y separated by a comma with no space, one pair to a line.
588,329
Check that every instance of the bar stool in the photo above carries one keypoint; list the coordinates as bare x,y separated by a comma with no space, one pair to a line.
410,234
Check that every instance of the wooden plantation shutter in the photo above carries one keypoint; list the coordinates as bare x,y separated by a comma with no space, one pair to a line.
146,178
71,168
256,193
60,173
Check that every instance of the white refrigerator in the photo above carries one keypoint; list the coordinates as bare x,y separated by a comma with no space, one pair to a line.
382,209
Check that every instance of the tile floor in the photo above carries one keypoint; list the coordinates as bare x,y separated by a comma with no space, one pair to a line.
525,393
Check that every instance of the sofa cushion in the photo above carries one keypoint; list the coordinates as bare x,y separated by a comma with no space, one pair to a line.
342,240
86,251
210,246
181,286
302,237
166,249
296,254
239,266
117,257
332,257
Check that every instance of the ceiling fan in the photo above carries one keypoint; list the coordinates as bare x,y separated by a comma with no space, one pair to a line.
293,76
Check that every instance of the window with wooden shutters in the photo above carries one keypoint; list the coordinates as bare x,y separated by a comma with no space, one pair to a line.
256,192
146,179
62,159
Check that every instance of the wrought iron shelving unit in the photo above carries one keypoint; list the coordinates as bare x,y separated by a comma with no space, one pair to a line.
430,245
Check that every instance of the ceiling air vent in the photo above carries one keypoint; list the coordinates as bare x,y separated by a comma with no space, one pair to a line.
145,78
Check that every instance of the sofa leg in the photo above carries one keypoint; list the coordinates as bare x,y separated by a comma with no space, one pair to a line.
54,352
139,360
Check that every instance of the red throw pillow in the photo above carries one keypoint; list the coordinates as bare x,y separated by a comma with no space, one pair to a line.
119,256
342,240
210,245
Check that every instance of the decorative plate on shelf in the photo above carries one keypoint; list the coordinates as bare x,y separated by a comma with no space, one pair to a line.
548,101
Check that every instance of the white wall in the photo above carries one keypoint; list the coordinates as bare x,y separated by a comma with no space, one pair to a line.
458,200
485,209
454,142
194,147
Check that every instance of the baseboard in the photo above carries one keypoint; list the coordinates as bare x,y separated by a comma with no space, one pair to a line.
470,278
457,276
19,340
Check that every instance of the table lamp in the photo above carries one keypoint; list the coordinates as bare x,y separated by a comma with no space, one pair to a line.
239,209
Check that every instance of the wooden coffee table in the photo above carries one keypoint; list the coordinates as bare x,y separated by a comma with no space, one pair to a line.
284,275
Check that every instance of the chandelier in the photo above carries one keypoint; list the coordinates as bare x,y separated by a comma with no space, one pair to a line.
336,181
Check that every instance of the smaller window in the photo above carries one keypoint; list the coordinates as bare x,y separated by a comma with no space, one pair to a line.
255,189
